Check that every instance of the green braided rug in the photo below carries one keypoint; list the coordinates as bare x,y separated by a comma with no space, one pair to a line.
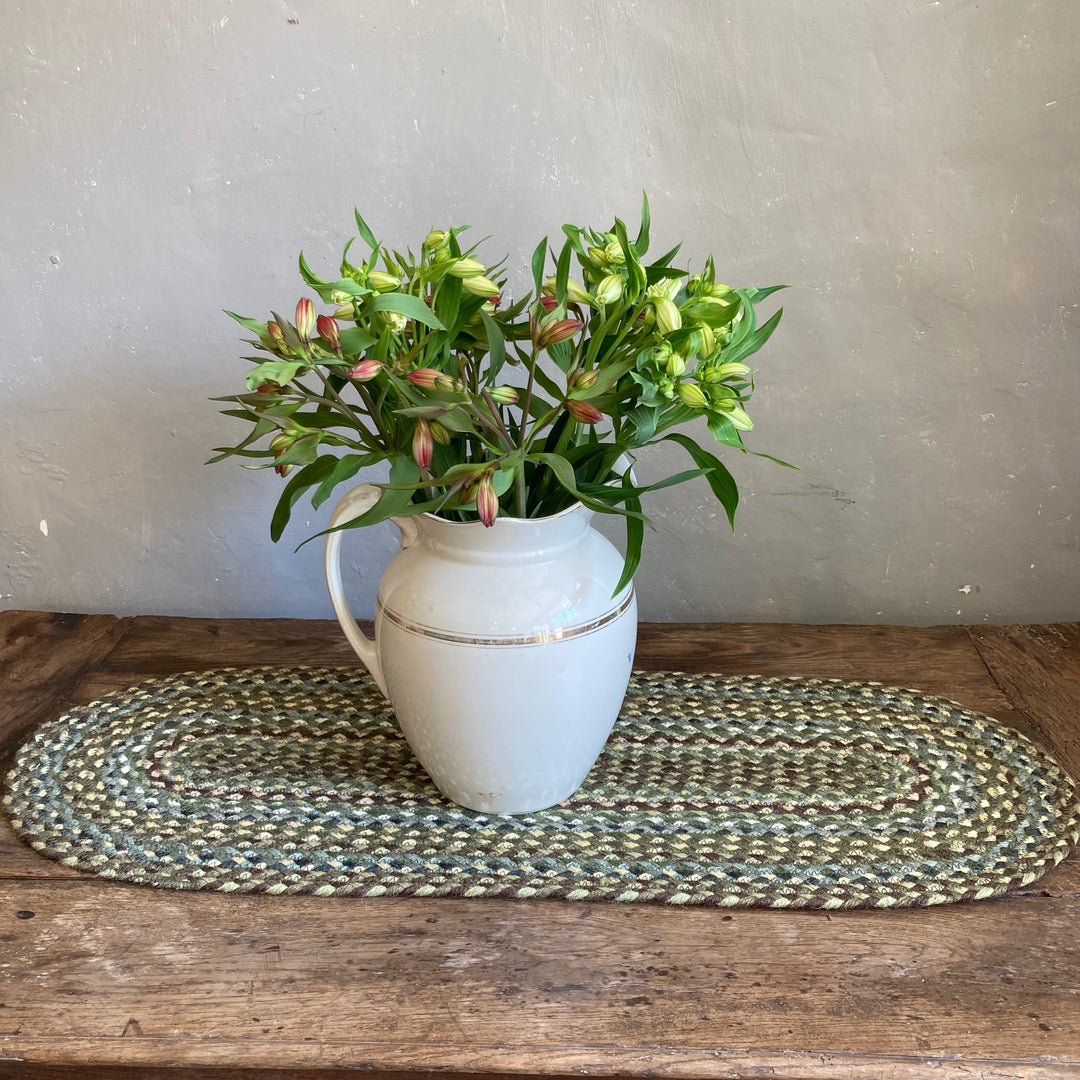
726,791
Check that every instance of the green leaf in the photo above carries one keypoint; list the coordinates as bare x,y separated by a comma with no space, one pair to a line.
633,263
345,468
757,295
448,300
720,480
305,478
641,244
644,418
366,233
635,535
753,342
253,325
412,307
668,255
564,473
496,347
393,501
354,340
308,274
539,255
279,371
562,273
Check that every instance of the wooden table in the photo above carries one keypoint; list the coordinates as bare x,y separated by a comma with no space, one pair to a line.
110,980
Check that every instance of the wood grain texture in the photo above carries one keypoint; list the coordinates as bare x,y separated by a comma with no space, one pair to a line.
114,981
109,972
1038,667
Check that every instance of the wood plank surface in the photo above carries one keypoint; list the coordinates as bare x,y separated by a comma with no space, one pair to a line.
110,980
107,971
1038,667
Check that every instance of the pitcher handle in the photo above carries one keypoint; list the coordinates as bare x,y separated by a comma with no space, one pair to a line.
352,504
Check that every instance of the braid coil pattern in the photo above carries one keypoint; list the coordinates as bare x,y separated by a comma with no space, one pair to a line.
732,792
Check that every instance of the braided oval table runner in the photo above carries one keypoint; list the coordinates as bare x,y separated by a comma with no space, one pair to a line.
724,791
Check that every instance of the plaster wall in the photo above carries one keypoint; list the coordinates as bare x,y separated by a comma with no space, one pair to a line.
911,168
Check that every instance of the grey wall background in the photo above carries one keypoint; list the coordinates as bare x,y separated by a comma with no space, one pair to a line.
911,167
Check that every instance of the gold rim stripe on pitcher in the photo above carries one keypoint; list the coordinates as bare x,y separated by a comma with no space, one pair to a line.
555,634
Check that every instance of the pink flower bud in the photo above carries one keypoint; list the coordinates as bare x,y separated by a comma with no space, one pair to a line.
366,369
554,332
487,502
328,331
426,378
583,412
268,387
276,335
423,443
305,318
549,302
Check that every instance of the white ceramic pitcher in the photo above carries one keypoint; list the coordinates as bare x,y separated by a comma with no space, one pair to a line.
502,651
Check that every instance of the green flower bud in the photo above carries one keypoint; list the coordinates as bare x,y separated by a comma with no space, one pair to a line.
668,318
676,365
665,288
609,290
480,286
435,240
614,253
383,282
346,311
583,380
599,256
465,268
575,294
725,371
692,395
503,395
737,415
706,340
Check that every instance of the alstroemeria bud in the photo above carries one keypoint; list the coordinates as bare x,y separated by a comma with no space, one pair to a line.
549,303
583,412
305,319
610,289
692,395
480,286
466,268
328,331
423,444
487,502
346,311
676,365
383,282
598,256
554,332
503,395
724,371
583,380
737,415
279,444
436,239
706,340
365,370
575,294
448,382
614,252
439,433
424,377
668,318
268,387
276,335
